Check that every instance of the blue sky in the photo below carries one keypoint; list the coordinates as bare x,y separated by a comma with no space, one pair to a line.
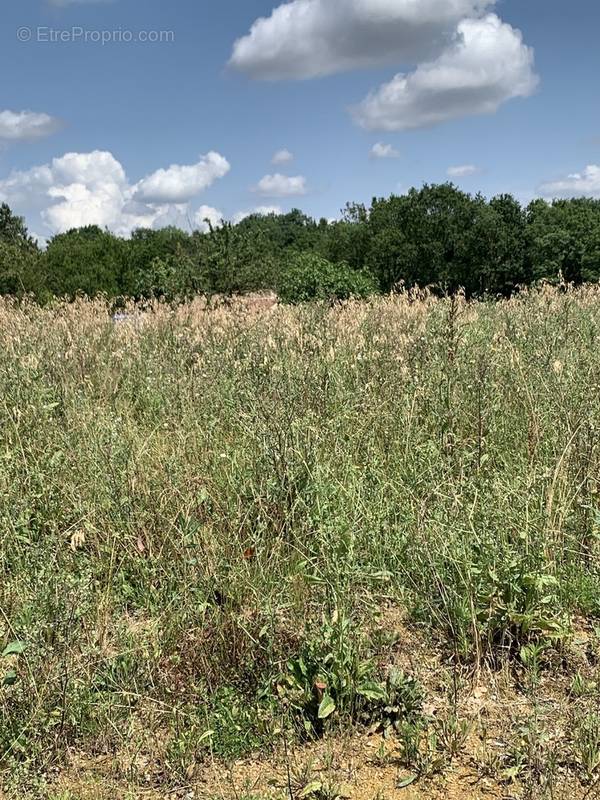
504,92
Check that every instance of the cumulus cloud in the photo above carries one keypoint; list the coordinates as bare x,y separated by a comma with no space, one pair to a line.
281,185
312,38
486,65
178,184
462,171
579,184
282,157
22,126
93,189
466,60
263,211
380,150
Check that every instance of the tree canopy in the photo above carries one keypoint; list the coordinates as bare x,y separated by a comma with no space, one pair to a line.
436,236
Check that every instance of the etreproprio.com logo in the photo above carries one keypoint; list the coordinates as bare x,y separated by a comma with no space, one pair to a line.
79,35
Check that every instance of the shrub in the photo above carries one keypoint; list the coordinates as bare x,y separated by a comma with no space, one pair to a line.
308,276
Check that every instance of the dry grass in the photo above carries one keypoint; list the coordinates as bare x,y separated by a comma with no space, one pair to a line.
191,498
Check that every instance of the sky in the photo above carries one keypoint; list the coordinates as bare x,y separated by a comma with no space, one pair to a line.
142,113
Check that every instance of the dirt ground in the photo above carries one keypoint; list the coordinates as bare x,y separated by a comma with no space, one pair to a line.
358,768
518,743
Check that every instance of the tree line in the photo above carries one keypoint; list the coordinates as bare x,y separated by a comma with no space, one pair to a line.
436,236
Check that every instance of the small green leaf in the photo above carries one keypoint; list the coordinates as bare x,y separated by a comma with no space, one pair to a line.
372,691
404,782
14,649
9,678
511,774
327,707
311,788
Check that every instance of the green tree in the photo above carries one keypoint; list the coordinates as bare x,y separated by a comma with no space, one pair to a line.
505,237
13,229
348,239
424,238
234,259
563,239
156,263
86,261
21,270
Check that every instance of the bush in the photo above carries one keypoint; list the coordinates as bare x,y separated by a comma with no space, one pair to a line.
308,276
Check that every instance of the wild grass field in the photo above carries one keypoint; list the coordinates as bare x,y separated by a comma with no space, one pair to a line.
303,552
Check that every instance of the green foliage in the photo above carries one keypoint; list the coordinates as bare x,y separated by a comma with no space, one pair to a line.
21,270
224,725
13,229
12,649
235,258
308,276
436,236
329,676
333,678
85,261
442,237
564,240
161,278
154,263
519,607
586,745
419,751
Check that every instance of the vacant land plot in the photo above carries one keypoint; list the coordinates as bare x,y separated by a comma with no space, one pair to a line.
311,552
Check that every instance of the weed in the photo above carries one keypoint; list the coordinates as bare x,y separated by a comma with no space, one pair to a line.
452,733
419,749
203,511
586,745
582,686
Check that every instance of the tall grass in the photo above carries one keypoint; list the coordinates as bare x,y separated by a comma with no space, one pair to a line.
186,496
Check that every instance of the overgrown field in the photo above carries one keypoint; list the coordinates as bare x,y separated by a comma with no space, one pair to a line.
234,529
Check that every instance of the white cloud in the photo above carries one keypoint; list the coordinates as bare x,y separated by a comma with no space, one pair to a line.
485,66
205,215
462,171
18,126
281,185
261,210
282,157
578,184
93,189
178,184
466,60
89,187
92,168
380,150
312,38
